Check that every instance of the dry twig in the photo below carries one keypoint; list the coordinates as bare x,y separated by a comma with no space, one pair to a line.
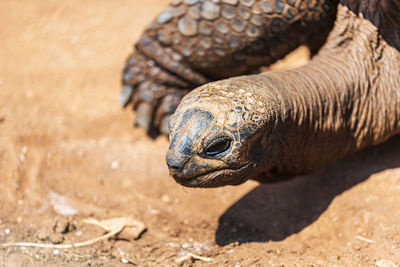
112,226
365,239
62,246
190,256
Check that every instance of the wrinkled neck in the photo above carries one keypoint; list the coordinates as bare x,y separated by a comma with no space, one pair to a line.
354,83
346,98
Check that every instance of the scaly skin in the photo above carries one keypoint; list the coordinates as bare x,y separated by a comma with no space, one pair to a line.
193,42
272,126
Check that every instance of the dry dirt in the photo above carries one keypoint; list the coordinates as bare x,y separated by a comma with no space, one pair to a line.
67,151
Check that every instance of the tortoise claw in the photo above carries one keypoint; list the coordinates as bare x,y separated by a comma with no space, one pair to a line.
166,108
164,125
125,97
144,112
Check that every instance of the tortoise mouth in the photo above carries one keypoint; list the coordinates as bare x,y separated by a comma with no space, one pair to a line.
216,178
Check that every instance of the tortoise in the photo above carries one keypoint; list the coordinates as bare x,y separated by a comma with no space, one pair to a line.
275,125
193,42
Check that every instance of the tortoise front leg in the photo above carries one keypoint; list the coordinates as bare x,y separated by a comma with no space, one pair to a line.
193,42
154,92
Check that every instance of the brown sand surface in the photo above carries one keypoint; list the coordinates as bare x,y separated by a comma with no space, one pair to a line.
67,151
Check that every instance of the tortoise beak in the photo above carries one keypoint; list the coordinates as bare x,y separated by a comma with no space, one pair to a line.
181,166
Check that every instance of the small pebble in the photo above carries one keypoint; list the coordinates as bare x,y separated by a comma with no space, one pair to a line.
57,238
61,225
124,261
7,231
56,252
43,234
165,199
71,227
186,245
114,164
385,263
131,233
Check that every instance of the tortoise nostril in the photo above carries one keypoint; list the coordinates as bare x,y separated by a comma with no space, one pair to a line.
174,168
176,161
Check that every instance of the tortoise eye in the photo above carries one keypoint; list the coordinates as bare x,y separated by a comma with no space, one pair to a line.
218,146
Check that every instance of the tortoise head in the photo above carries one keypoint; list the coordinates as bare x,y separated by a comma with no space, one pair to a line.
216,136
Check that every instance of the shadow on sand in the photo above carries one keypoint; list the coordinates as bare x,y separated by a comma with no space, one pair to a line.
276,211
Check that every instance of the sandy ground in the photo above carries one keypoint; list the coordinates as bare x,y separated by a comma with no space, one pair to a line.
68,152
